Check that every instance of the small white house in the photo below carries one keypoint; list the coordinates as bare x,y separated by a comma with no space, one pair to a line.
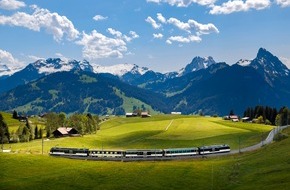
176,113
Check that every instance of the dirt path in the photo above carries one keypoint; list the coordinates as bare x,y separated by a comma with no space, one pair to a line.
169,125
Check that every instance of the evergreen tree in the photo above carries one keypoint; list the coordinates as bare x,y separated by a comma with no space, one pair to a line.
284,115
52,123
61,119
278,120
24,133
4,131
15,115
36,132
40,133
92,124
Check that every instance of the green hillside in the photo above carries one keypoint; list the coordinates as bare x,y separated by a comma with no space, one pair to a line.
267,168
161,131
264,169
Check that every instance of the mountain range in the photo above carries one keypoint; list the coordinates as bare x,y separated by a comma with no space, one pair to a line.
202,85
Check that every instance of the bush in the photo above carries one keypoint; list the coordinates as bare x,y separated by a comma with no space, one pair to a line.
280,136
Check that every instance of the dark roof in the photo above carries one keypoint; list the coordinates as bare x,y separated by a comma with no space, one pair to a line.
65,130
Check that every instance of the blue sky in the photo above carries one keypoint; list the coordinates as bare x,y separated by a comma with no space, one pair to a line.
163,35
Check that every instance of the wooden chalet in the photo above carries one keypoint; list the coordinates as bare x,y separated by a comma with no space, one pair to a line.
65,131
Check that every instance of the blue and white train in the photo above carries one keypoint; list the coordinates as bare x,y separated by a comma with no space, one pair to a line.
138,153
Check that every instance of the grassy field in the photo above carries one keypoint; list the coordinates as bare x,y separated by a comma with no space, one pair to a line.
267,168
156,132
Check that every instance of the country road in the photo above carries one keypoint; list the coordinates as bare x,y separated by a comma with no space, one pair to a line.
268,140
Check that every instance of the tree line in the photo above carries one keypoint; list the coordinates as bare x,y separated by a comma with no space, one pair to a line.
268,115
83,123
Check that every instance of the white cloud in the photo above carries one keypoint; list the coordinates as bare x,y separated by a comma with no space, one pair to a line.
158,36
192,28
96,45
35,58
118,34
169,42
11,4
179,24
151,21
202,28
184,3
239,5
161,18
7,59
99,17
182,39
133,34
283,3
52,23
62,57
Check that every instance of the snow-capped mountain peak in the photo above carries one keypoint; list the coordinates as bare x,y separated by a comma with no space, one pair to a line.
53,65
121,69
196,64
265,62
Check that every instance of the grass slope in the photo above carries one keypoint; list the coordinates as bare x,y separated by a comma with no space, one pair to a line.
161,131
267,168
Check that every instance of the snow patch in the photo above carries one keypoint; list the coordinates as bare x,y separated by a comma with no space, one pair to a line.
244,62
120,69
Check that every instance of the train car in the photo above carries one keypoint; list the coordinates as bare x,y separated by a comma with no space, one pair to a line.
173,152
106,153
214,149
143,153
77,152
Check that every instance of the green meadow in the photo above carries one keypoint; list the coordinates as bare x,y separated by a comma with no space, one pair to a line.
268,168
161,131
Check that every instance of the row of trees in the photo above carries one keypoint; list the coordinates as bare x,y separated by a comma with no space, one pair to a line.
268,115
85,124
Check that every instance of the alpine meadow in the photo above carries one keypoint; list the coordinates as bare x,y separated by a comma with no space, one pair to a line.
148,94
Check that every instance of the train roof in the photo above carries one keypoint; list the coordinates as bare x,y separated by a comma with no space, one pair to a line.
173,149
66,148
215,146
106,150
143,150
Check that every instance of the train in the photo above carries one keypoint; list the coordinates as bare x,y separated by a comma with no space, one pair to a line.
140,154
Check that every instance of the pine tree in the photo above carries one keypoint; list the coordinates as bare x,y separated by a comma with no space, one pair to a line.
4,131
36,132
15,115
40,133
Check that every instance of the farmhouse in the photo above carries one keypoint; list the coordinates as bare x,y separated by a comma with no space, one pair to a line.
233,118
175,113
131,114
145,114
246,119
65,131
